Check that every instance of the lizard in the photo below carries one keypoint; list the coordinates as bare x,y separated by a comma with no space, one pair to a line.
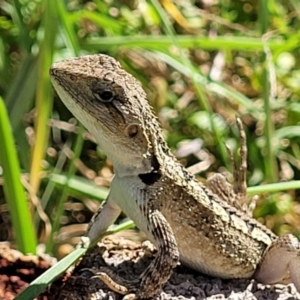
198,225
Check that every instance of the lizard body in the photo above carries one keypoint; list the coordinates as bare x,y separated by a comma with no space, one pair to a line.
201,226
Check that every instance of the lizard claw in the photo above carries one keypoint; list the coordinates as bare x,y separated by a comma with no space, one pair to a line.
125,287
111,284
130,297
84,243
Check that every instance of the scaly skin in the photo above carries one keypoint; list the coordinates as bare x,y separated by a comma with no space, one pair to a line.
187,221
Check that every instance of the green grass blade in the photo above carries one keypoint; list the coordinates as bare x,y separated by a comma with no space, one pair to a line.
13,189
44,97
287,132
102,20
67,27
79,187
19,100
163,42
39,285
267,91
274,187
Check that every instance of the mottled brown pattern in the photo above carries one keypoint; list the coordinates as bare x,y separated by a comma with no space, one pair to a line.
210,231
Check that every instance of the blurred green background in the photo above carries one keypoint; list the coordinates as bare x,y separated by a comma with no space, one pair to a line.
202,63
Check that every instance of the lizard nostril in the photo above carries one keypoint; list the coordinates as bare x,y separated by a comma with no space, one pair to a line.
132,130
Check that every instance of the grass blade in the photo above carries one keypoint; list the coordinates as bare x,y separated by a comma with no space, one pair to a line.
39,285
274,187
163,42
44,97
268,92
79,187
13,189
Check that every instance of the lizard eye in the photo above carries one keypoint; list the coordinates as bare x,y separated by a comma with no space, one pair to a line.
132,130
105,96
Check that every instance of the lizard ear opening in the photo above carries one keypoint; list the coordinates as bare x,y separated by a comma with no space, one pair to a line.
132,130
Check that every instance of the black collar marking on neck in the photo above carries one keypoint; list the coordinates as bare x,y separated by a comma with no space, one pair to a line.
153,176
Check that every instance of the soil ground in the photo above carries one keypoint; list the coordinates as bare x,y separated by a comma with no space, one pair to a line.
128,259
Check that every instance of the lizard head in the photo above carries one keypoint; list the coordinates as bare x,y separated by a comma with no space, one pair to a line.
112,105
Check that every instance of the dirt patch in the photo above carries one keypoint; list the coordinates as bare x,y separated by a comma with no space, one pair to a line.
18,270
127,259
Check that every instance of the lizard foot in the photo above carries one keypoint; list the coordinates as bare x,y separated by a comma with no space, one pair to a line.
236,194
117,283
281,260
130,297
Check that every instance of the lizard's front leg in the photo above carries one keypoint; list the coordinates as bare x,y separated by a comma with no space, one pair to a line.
281,260
105,216
160,269
158,272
